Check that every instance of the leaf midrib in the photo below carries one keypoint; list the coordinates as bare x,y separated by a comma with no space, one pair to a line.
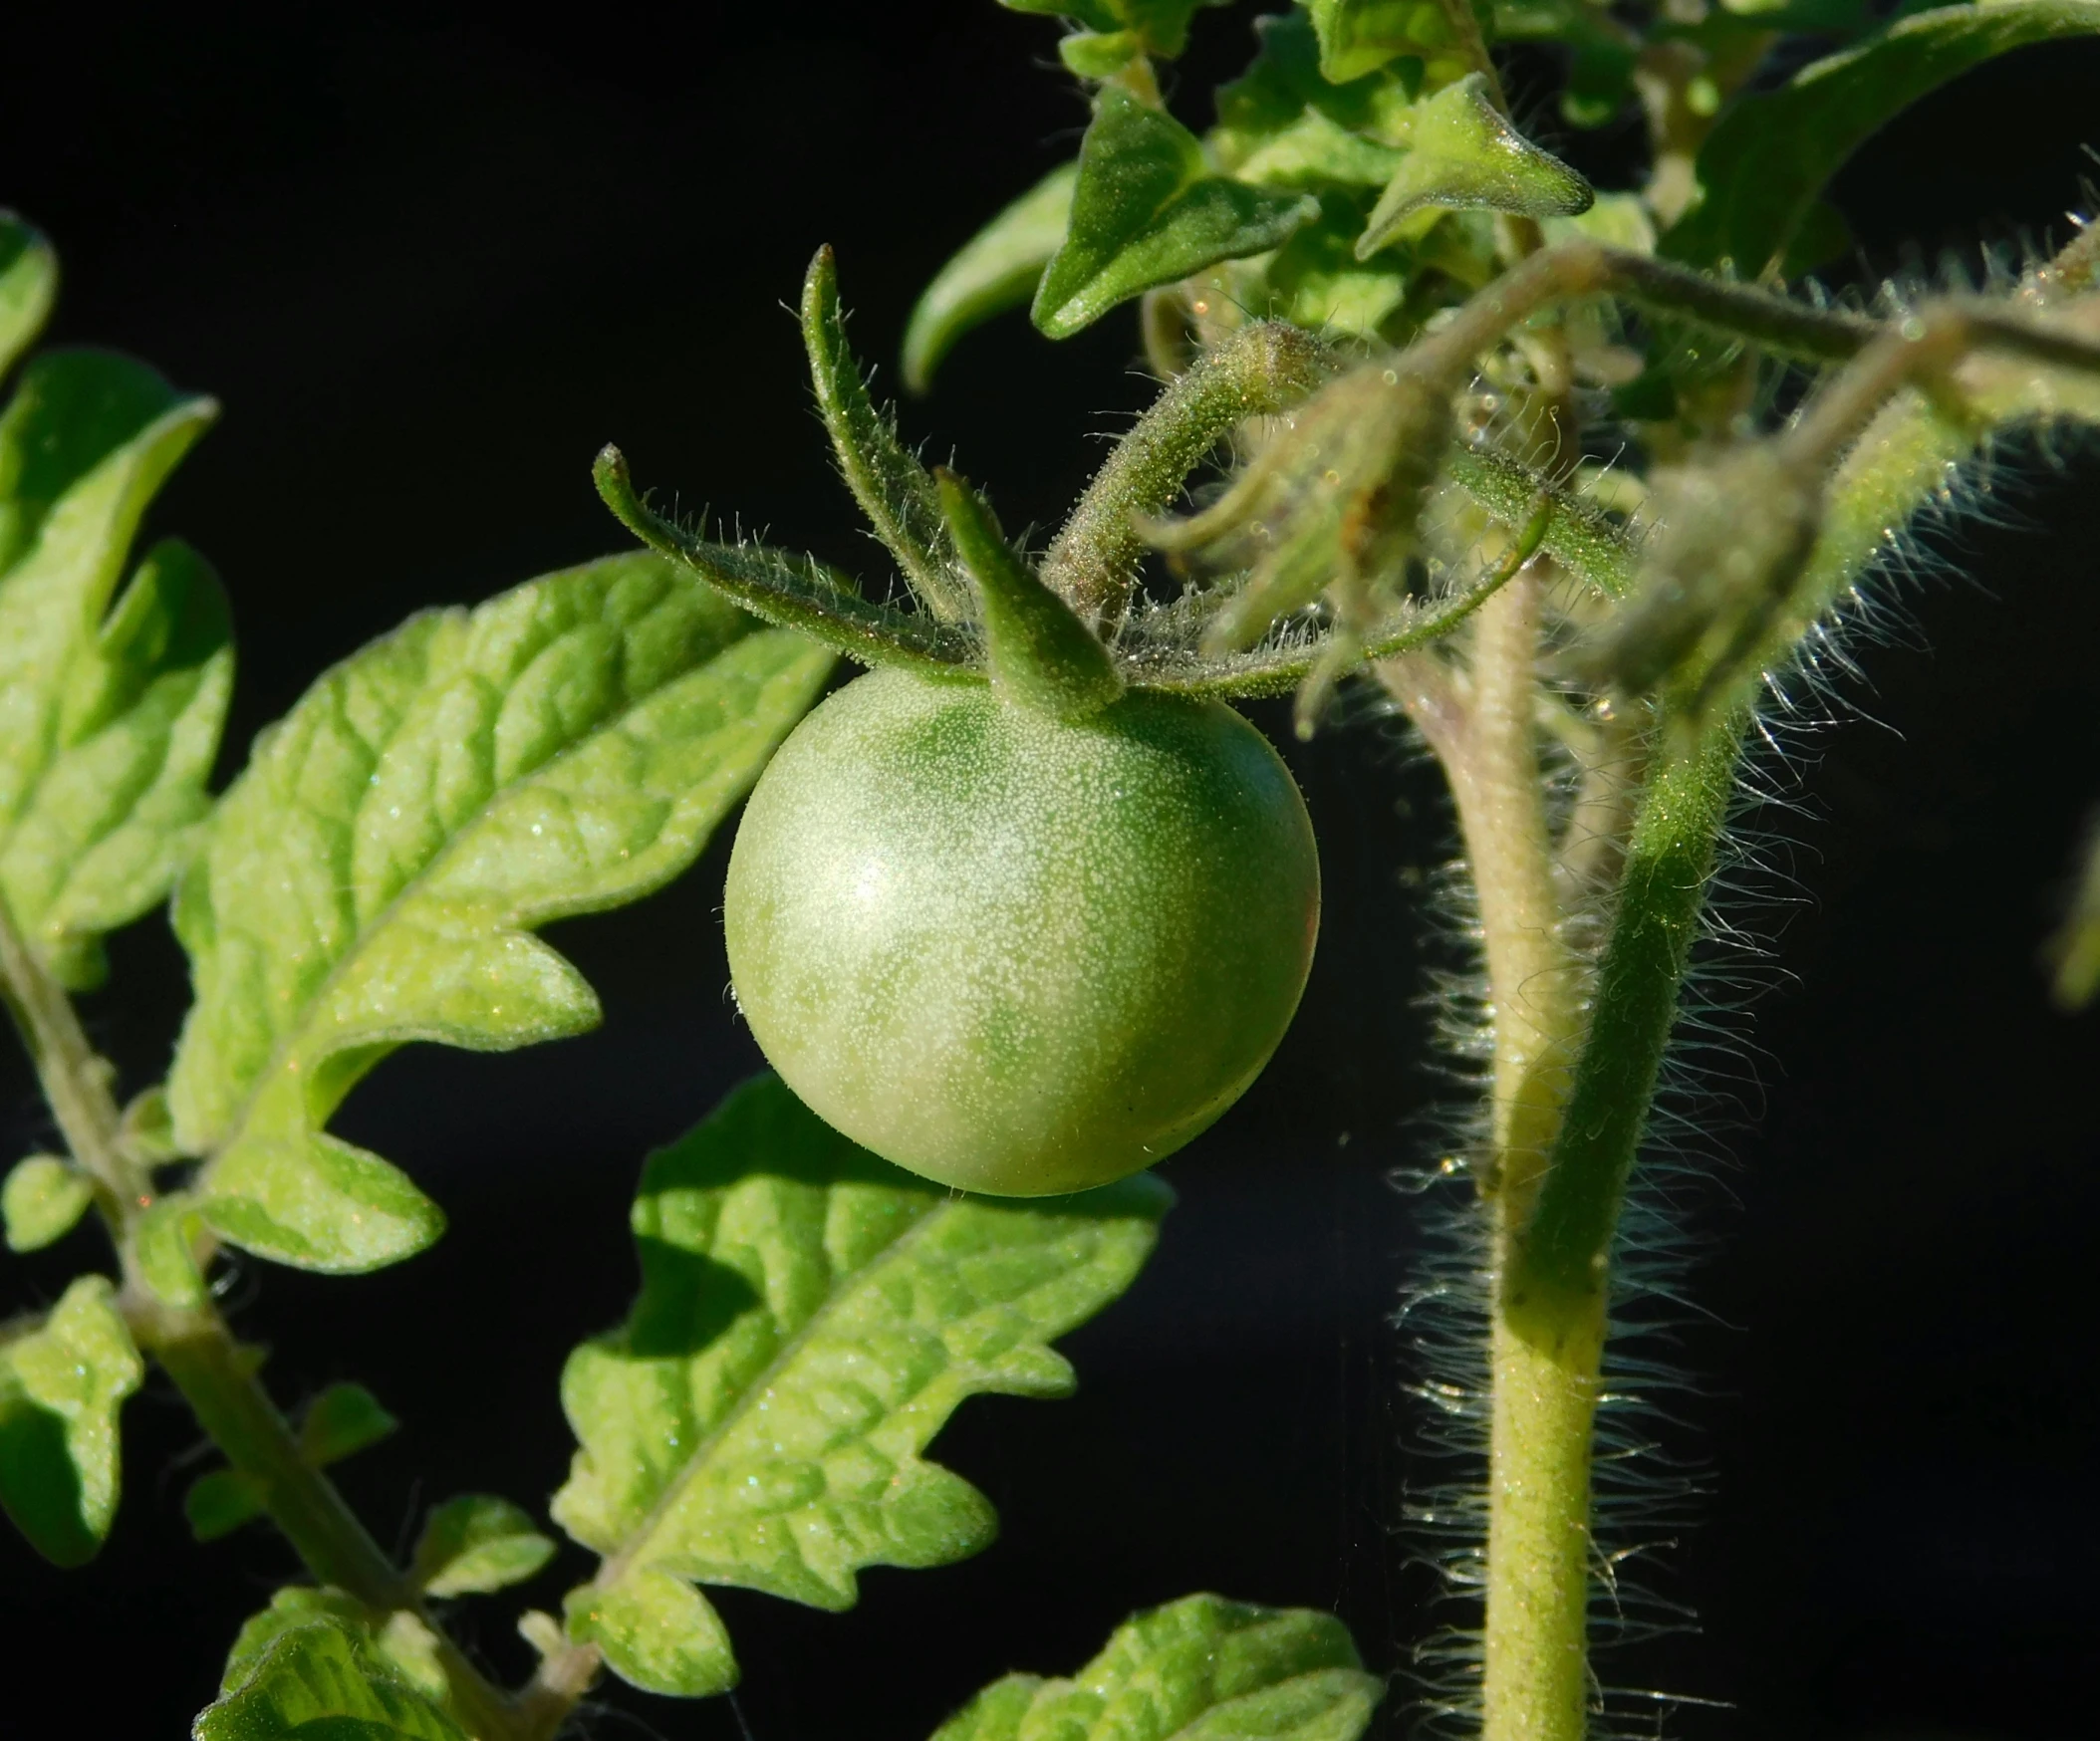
287,1047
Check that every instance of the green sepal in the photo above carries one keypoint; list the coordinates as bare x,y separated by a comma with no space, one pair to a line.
809,1317
110,713
62,1381
165,1248
1198,1669
793,593
218,1502
477,1544
995,269
1042,656
1146,210
43,1200
323,1681
376,873
29,283
1762,169
1467,158
342,1422
894,490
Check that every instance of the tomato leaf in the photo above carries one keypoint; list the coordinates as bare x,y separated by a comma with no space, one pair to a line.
477,1544
62,1381
1467,158
29,281
1202,1667
309,1668
1360,36
1146,210
996,269
43,1200
1157,27
342,1422
375,876
1763,168
809,1317
110,715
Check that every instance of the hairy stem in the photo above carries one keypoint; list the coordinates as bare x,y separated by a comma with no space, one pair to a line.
216,1377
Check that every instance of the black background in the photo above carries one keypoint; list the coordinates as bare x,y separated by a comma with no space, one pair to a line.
430,260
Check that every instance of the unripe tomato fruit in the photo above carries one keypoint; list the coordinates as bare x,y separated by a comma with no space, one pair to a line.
1016,955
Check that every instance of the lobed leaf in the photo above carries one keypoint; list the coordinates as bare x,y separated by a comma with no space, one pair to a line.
1146,210
110,715
1763,168
996,269
323,1680
477,1544
62,1381
43,1200
375,876
809,1317
1198,1669
29,281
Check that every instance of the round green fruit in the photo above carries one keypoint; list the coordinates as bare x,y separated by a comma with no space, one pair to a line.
1017,955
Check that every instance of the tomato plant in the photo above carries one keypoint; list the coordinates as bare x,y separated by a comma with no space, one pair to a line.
1013,954
1562,461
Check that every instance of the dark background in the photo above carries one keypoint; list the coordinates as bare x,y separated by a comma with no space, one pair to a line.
430,260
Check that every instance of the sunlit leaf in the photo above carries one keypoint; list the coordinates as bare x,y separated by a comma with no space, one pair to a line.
1360,36
809,1317
997,269
1763,168
1148,211
109,714
62,1381
375,876
403,1644
29,280
1198,1669
1467,158
324,1682
475,1544
43,1200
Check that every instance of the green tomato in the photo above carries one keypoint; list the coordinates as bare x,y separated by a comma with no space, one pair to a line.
1017,955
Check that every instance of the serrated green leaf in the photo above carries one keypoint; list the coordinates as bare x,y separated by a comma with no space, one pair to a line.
342,1422
477,1544
809,1317
375,876
997,269
110,715
323,1682
1467,158
1198,1669
42,1202
1763,168
1159,26
1147,211
219,1503
29,281
61,1382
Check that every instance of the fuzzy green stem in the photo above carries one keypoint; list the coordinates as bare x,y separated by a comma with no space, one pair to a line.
198,1349
1264,368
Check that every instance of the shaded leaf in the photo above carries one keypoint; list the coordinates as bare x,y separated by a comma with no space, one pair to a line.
164,1247
29,281
809,1317
1145,211
1763,168
62,1381
219,1503
1467,158
1158,27
997,269
1283,91
475,1544
342,1422
375,876
110,715
43,1200
322,1681
1202,1667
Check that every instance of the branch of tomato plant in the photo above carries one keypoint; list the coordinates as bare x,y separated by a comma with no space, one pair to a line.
217,1377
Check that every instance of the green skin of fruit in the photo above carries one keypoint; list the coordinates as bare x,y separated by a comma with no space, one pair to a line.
1016,955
